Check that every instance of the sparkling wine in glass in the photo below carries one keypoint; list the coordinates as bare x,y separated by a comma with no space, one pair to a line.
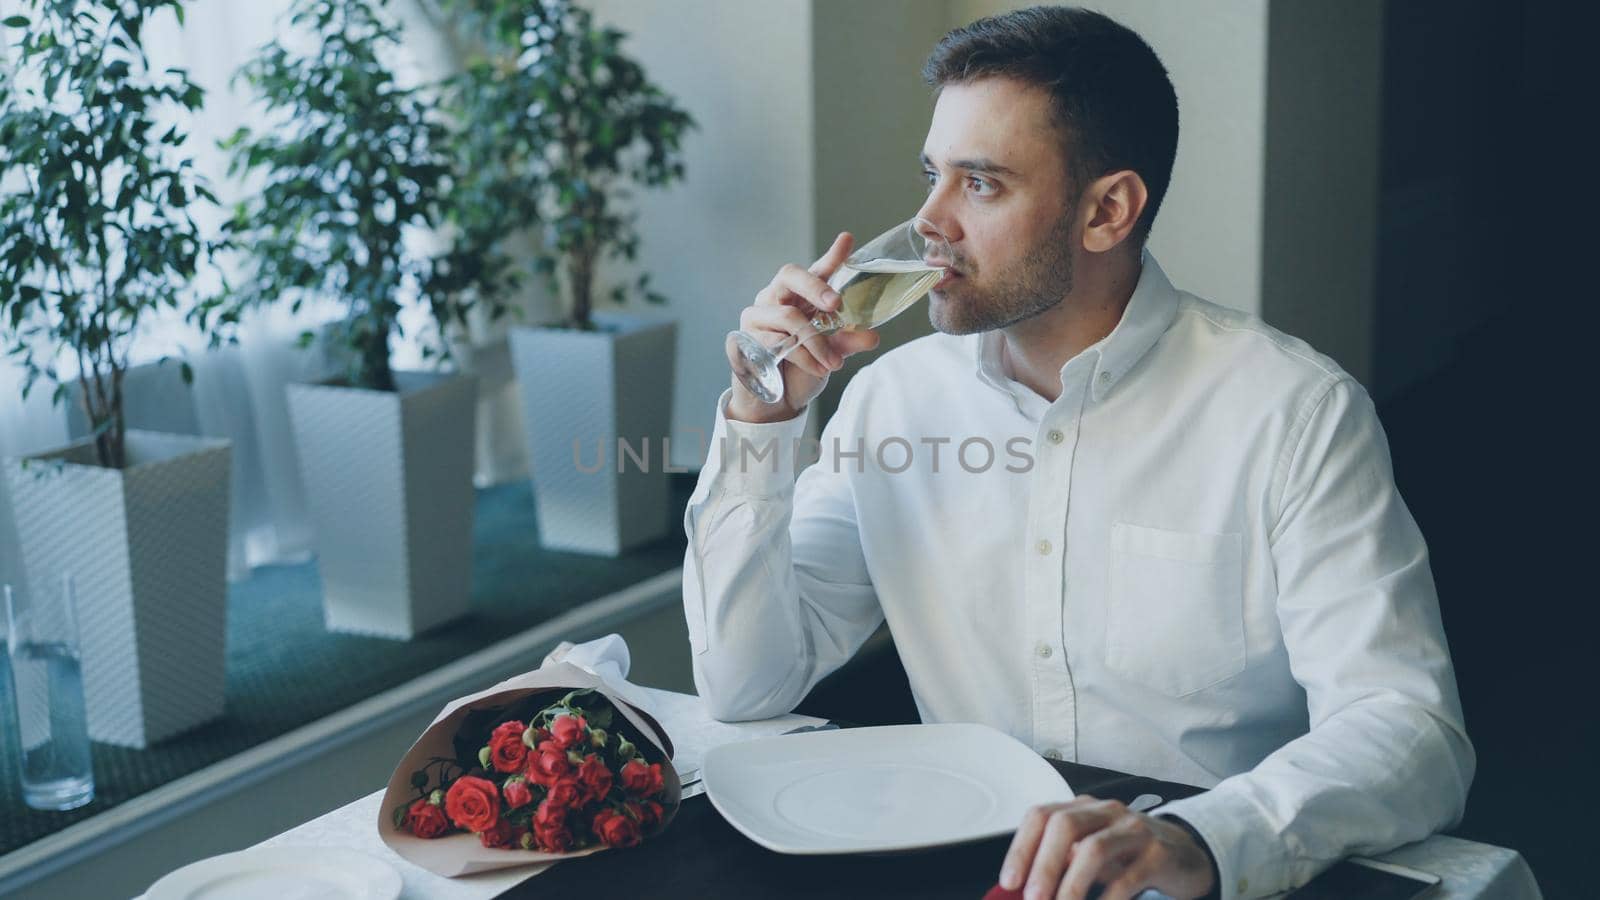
878,282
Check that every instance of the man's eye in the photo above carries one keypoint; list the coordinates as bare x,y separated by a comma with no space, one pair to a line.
979,185
931,177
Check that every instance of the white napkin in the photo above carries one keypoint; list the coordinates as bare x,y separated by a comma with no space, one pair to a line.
606,657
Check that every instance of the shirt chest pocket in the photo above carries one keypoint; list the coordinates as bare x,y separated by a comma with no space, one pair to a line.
1176,616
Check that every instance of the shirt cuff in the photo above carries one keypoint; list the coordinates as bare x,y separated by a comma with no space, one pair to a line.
755,459
1211,861
1249,852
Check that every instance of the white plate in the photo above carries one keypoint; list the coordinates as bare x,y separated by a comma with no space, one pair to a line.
282,873
878,790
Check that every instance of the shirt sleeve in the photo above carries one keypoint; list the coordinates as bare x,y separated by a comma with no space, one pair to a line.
1386,760
775,584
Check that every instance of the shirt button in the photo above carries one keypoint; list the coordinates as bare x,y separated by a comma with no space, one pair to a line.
1052,753
1044,651
1056,436
1105,377
1044,548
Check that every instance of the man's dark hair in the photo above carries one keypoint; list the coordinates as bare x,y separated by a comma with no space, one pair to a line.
1111,96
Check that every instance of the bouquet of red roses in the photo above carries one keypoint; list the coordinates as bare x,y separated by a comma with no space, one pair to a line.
545,766
562,778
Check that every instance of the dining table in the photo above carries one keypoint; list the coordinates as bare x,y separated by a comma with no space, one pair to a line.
700,855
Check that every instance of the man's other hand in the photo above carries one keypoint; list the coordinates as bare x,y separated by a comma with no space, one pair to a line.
1063,849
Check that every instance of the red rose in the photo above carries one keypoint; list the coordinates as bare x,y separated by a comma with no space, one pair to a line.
566,793
595,777
648,812
549,763
615,830
498,837
550,830
552,838
426,820
517,794
641,780
569,731
473,803
550,815
507,752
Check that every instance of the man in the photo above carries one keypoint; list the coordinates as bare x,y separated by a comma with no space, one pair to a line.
1185,558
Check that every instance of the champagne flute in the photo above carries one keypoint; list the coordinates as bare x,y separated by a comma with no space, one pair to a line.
878,282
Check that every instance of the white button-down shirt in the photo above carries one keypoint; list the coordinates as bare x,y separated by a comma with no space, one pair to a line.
1192,565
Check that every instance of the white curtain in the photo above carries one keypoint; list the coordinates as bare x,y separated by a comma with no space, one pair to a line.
239,391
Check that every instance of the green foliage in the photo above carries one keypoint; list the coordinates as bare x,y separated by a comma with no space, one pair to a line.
96,203
539,709
352,161
553,124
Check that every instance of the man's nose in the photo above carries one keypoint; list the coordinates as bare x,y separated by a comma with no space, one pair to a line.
936,217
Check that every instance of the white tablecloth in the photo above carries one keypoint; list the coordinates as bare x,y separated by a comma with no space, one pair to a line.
1469,870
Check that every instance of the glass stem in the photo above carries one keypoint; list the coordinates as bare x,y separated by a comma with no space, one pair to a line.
821,323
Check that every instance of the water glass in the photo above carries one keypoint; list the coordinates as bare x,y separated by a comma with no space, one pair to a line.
47,687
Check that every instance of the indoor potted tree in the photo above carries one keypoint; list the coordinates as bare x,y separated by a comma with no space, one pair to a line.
554,115
354,173
97,235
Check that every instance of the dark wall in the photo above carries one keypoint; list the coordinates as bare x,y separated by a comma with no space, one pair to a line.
1453,74
1481,325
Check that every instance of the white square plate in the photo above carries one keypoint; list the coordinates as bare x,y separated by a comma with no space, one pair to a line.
878,790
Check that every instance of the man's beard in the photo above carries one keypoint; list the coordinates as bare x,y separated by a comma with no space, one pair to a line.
1039,283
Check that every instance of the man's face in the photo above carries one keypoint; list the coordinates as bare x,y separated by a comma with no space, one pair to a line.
998,189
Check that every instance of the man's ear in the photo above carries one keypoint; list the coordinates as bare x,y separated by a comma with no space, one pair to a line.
1111,207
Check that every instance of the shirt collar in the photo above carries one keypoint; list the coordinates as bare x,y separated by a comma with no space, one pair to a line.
1149,313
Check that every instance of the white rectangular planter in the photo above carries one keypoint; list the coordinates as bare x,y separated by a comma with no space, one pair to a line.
597,408
148,547
388,477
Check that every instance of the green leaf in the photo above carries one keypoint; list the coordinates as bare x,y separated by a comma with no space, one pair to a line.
89,173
